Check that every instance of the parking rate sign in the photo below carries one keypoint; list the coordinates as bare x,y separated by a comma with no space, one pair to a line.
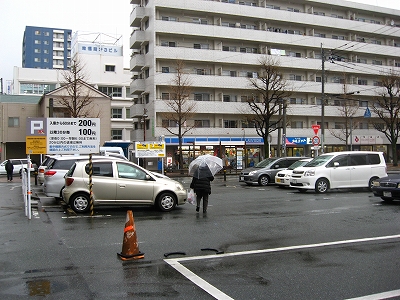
62,135
73,135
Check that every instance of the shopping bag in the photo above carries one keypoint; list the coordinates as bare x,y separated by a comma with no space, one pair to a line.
191,197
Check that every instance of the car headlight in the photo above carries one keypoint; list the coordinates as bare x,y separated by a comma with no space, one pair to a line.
376,183
179,186
309,173
398,185
252,172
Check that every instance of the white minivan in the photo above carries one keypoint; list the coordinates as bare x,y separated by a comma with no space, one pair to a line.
347,169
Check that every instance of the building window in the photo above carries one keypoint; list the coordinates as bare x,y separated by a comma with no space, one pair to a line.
362,82
165,69
230,124
37,42
13,121
168,44
37,32
110,68
201,46
202,123
127,113
37,59
111,91
165,96
295,77
201,97
169,123
37,50
116,134
116,113
297,124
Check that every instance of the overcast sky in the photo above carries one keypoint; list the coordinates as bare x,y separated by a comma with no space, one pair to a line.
103,16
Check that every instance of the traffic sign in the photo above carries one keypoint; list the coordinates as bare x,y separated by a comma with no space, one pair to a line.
316,140
315,128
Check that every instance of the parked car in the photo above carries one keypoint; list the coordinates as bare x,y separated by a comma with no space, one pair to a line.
43,167
347,169
282,178
264,172
119,182
19,165
387,188
56,169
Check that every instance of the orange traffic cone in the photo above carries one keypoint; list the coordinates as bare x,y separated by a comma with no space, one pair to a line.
130,248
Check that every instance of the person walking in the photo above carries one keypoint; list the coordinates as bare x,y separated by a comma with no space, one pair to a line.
201,184
9,169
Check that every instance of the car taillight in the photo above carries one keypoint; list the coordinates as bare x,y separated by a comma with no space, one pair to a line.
50,173
68,181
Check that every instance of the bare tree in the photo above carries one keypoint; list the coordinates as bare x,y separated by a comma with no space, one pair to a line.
387,108
347,108
78,100
273,91
181,107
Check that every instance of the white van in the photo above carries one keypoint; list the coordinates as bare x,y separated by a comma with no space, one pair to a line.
347,169
104,150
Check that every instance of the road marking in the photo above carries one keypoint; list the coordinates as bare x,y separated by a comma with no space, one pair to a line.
213,291
78,217
385,295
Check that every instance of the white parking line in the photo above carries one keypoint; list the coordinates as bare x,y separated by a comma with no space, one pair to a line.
213,291
379,296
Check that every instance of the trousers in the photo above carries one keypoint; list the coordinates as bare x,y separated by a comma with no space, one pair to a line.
203,196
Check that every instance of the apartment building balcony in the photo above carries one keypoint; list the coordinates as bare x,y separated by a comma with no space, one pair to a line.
137,62
137,86
138,37
138,14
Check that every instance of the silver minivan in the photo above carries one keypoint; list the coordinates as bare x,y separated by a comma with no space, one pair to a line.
347,169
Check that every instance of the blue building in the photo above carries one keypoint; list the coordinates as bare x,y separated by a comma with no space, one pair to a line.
46,48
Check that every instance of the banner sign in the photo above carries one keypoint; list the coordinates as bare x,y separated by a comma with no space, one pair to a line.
150,149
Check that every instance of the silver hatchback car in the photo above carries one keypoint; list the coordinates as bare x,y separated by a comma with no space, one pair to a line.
119,183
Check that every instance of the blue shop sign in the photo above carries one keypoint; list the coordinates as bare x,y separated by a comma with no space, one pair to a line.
297,141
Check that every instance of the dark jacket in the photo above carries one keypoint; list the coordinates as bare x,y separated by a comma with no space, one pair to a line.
9,166
202,185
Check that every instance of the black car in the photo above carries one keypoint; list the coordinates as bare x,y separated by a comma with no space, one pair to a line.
388,188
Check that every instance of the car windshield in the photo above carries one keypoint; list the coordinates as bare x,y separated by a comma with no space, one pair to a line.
318,161
265,162
297,164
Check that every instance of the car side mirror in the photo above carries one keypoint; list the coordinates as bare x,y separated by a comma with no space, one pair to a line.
148,177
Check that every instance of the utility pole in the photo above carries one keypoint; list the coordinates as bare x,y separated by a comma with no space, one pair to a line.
323,100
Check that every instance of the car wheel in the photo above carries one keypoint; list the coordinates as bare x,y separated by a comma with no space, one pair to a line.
263,180
322,185
370,185
166,202
80,203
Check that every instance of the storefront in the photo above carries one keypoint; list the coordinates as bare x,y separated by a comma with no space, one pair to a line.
236,152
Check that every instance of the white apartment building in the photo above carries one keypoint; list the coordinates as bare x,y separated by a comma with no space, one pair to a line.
102,56
221,43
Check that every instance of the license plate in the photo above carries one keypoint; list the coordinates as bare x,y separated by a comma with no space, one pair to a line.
278,180
387,194
242,178
294,181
